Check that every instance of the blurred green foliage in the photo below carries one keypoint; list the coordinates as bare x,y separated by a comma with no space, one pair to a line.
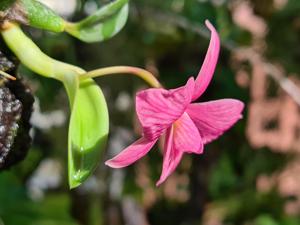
17,208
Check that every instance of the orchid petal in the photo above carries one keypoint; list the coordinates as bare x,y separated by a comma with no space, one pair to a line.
182,137
158,108
207,70
186,136
131,154
172,156
215,117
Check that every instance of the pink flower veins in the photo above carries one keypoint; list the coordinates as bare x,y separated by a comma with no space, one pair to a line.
187,126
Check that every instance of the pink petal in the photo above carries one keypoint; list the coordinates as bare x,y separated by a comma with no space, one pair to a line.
208,67
158,108
215,117
182,137
186,136
172,157
131,154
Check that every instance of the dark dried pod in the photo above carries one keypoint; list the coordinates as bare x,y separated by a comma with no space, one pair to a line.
16,102
10,115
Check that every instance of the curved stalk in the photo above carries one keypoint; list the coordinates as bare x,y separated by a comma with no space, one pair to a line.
141,73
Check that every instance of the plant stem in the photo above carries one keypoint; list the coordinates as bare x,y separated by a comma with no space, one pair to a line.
143,74
32,57
6,75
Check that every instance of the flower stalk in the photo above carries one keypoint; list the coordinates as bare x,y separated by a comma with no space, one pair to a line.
145,75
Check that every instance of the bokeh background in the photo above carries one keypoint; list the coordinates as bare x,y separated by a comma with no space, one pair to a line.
249,176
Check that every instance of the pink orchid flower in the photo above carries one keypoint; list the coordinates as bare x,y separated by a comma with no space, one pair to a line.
187,126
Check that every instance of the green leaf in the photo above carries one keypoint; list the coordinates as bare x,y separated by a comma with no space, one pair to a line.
88,128
103,13
103,24
40,16
32,13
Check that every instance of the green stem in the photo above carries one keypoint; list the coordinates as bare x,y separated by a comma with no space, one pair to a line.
143,74
32,57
